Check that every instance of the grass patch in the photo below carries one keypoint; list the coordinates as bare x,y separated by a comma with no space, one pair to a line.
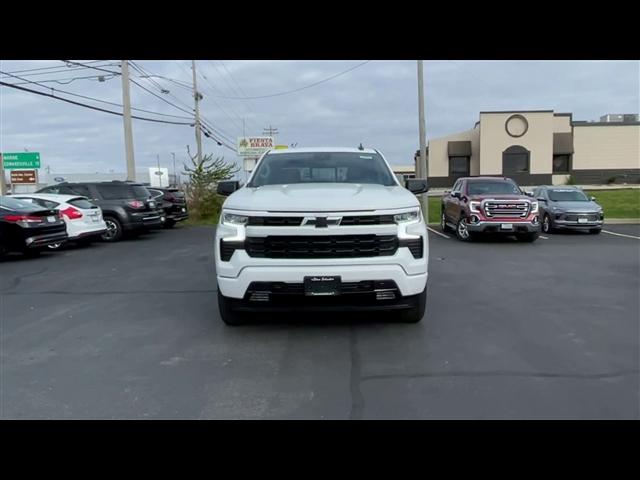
623,203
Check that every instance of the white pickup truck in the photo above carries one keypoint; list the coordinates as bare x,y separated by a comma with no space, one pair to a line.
327,229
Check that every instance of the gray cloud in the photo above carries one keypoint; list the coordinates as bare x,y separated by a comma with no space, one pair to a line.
375,104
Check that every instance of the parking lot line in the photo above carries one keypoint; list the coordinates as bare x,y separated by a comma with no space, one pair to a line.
620,234
437,232
544,238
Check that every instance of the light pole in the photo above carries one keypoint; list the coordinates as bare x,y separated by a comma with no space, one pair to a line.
422,167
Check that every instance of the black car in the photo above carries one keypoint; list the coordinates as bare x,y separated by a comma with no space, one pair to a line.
173,202
127,207
26,228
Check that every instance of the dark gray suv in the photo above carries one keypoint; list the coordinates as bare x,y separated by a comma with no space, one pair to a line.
568,207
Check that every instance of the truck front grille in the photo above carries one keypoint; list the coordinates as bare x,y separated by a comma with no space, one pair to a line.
326,246
503,209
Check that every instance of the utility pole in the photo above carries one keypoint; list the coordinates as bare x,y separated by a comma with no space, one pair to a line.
271,131
197,97
3,184
423,169
126,115
175,176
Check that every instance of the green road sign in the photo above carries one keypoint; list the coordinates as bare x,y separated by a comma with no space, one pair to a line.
21,160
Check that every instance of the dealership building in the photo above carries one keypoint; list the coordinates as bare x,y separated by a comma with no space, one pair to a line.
539,147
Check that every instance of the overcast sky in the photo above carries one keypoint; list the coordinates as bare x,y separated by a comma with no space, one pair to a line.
375,104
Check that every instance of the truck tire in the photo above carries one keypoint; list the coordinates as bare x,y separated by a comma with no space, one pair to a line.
527,237
462,233
114,230
443,221
228,315
415,313
547,224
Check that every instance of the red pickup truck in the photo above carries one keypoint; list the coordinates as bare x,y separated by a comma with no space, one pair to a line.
477,205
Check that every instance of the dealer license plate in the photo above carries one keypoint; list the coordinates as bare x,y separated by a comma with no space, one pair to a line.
319,285
51,219
506,226
583,220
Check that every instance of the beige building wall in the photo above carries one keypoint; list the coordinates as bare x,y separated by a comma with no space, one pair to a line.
538,139
439,154
562,124
606,147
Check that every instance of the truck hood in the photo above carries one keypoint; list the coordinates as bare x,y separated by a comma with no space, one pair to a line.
321,197
500,197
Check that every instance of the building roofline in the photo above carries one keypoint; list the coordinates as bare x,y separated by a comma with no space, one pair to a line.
584,123
562,114
516,111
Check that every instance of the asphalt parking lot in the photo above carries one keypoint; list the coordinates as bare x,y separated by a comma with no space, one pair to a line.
513,331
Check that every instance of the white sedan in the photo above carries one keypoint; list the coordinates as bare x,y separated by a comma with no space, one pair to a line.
83,219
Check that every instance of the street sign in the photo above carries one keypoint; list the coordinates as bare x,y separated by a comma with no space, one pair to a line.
24,177
13,161
159,177
254,146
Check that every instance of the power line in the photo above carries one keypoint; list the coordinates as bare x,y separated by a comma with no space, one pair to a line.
63,67
301,88
58,70
5,84
91,98
71,79
91,66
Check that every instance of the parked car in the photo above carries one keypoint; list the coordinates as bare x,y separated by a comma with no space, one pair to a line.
568,207
479,205
83,218
127,207
173,202
26,228
321,229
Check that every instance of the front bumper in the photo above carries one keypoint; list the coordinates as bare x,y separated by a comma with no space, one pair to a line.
575,225
236,287
496,227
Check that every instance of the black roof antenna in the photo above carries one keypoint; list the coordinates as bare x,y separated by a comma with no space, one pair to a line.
360,147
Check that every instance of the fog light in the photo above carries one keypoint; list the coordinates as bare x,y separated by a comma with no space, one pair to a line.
536,219
385,295
259,297
474,219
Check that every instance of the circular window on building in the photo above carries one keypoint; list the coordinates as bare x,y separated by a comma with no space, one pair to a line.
516,125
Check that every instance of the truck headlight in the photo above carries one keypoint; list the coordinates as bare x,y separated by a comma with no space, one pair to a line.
534,207
407,217
474,207
233,219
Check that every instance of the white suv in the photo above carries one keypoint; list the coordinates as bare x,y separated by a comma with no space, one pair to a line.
322,229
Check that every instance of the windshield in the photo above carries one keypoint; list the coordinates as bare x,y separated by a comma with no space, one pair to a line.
7,203
567,196
484,187
322,167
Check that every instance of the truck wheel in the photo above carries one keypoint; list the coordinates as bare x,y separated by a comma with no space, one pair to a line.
415,313
443,222
114,230
528,237
547,225
462,232
229,316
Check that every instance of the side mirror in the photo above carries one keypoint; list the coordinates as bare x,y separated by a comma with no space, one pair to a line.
455,194
529,194
417,185
593,199
228,187
541,199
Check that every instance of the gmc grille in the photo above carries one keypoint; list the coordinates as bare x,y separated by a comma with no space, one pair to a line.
498,209
329,246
